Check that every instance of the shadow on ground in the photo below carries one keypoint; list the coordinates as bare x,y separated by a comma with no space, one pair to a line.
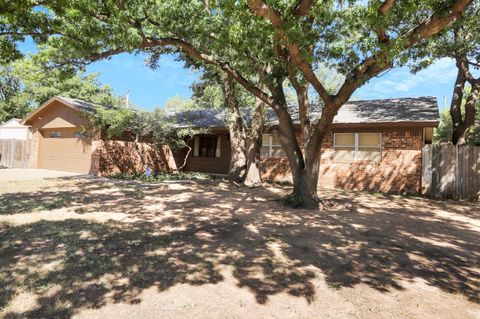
167,236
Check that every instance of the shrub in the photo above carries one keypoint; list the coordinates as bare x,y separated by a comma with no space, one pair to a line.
161,177
293,200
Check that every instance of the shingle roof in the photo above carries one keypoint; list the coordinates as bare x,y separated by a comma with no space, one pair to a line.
421,109
77,104
401,110
82,105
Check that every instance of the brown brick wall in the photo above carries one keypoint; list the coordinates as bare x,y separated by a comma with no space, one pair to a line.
111,156
398,171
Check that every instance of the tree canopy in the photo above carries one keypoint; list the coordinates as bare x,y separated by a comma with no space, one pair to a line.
27,83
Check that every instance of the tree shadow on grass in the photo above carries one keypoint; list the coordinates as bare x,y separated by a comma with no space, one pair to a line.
186,236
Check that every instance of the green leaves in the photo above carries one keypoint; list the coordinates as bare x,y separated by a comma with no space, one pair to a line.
28,83
157,126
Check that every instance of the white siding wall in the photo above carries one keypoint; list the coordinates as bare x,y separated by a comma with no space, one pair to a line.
16,133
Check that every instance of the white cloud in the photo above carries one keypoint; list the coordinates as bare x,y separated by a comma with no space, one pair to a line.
402,80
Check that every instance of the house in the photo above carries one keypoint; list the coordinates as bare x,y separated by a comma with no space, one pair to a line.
373,145
14,130
63,139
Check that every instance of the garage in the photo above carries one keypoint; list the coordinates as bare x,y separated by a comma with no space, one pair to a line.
65,150
61,138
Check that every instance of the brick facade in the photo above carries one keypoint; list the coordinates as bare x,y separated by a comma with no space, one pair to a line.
113,156
398,171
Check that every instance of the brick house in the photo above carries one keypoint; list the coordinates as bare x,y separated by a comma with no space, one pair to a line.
373,145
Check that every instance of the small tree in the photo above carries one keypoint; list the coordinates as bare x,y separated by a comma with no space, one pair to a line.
443,133
157,127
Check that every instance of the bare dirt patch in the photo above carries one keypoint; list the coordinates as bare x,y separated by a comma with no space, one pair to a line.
96,248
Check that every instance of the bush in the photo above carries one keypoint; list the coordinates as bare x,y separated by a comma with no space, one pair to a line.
293,200
161,177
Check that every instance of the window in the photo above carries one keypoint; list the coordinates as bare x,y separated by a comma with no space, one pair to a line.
357,146
428,135
206,146
55,134
271,146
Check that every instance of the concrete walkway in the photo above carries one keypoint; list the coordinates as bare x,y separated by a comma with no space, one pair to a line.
25,174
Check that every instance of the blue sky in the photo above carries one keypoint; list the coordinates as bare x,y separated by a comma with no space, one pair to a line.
150,88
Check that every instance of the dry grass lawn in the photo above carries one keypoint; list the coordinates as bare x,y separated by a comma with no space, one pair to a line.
94,248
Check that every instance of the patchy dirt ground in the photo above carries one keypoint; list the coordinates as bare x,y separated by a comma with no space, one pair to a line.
94,248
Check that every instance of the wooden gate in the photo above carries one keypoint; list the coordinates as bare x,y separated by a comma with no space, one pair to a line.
451,171
14,153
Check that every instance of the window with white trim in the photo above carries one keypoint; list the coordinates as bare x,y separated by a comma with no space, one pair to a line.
357,146
271,146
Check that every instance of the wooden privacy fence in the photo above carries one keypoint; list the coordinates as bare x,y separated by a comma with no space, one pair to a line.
14,153
451,171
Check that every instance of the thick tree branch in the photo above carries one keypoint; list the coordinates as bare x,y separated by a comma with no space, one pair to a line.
383,11
386,6
375,64
191,51
457,97
303,7
259,8
372,65
436,23
209,59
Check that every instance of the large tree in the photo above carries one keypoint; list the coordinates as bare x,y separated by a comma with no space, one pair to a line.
275,40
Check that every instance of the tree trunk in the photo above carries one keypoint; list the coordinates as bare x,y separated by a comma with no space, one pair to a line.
460,132
305,181
304,168
238,161
456,104
461,124
253,175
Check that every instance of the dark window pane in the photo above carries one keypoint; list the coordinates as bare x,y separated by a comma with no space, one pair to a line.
207,146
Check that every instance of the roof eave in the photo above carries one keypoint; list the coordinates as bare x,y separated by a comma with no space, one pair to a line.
390,123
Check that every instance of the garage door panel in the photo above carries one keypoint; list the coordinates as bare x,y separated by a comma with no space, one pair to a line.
69,153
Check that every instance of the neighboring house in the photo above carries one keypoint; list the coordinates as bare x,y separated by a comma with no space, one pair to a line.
14,144
63,140
373,145
14,130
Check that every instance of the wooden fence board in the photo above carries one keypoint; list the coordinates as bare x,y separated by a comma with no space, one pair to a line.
451,171
14,153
